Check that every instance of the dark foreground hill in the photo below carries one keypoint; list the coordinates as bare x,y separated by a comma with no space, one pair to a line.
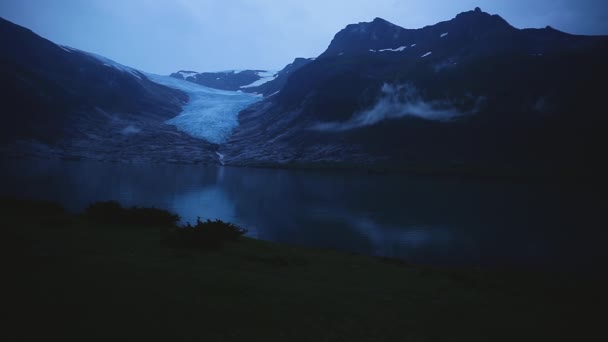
73,280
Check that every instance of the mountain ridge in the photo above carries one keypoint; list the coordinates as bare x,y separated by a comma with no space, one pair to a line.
472,90
256,81
60,102
509,93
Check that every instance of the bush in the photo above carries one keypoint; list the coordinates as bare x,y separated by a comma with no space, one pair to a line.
42,212
205,234
112,212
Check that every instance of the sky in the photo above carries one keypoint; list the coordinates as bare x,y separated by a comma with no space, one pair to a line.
164,36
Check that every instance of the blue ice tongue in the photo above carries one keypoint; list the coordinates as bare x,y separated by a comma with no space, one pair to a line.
210,114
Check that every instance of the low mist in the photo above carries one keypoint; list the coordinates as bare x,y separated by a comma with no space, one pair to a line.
397,101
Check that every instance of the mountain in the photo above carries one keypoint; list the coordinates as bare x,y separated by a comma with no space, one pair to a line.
232,80
471,91
61,102
250,81
274,86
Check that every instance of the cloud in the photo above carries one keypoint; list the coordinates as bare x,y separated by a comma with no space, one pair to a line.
399,101
130,130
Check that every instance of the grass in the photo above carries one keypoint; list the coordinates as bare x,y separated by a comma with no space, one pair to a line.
82,280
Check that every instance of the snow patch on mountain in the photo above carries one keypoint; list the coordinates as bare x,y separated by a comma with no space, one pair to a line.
426,54
187,74
399,49
64,48
211,114
444,34
235,71
265,76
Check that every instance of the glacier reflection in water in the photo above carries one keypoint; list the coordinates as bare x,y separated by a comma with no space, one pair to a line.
424,220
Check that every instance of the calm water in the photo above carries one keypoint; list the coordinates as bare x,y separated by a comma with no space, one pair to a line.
424,220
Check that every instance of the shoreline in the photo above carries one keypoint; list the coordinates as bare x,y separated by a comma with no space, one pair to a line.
465,171
99,281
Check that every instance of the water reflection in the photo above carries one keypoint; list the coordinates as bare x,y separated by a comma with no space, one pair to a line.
437,221
210,202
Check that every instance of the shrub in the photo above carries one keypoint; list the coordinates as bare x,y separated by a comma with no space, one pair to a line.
111,212
205,234
105,212
42,212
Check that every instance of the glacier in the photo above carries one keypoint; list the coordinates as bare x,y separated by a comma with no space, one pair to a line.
211,114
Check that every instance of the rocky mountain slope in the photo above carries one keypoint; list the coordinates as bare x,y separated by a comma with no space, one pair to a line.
61,102
261,82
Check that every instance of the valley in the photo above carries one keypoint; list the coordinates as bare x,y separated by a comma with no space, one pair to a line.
471,93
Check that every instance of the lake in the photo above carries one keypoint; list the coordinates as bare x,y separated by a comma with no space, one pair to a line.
435,221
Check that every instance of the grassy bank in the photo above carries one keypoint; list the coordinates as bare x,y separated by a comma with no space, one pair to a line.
76,279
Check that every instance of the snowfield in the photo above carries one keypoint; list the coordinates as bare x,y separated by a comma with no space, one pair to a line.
186,74
210,114
265,77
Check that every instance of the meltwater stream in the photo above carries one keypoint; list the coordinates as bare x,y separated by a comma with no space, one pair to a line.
210,114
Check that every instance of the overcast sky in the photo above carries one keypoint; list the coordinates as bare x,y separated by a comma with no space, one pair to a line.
163,36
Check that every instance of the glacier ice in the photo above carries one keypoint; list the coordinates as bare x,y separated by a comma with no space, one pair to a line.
211,114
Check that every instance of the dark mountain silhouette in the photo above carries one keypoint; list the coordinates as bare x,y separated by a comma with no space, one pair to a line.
59,101
472,90
44,84
232,80
250,81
